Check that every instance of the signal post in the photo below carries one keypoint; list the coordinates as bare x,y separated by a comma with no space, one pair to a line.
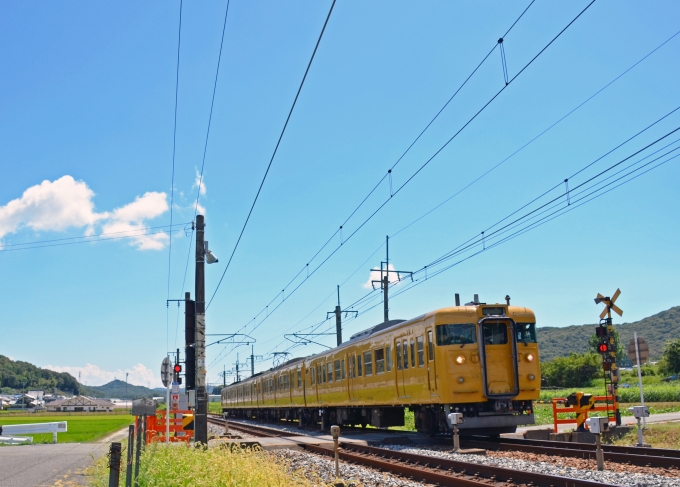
607,348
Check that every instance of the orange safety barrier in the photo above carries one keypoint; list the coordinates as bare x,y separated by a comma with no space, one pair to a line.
582,412
155,426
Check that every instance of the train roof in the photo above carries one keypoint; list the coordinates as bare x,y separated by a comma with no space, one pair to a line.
375,329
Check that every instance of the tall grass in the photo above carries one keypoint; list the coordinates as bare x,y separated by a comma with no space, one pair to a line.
653,393
177,465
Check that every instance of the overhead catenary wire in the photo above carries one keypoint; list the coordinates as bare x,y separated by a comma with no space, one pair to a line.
345,240
271,160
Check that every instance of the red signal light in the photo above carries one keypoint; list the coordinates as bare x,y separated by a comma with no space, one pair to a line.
602,348
178,368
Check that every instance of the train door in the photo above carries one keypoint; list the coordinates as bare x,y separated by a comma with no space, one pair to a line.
404,373
352,383
498,355
430,362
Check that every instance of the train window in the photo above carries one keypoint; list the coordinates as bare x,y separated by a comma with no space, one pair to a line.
311,377
495,333
338,373
456,334
343,367
398,348
526,332
413,353
421,351
323,369
368,363
352,367
329,366
299,376
379,360
404,348
430,346
388,356
359,366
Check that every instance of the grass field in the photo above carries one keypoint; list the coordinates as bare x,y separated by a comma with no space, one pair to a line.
81,429
664,435
176,465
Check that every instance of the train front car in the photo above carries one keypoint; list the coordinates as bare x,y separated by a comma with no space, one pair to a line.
487,360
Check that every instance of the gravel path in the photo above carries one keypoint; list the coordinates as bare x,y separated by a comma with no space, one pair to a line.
628,476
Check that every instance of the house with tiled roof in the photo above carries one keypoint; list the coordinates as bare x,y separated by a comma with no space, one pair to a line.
81,404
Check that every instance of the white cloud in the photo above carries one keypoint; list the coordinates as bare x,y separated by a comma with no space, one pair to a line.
92,375
199,183
375,276
66,203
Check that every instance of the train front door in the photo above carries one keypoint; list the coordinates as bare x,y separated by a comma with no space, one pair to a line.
498,357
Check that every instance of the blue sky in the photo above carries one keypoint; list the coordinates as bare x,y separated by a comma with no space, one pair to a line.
87,93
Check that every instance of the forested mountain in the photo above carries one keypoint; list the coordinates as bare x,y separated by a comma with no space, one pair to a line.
656,329
17,375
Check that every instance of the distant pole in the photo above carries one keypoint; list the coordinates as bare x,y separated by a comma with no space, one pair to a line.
338,320
126,394
642,395
224,377
252,360
386,279
201,418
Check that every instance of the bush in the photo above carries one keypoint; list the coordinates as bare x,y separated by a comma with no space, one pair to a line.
576,370
670,362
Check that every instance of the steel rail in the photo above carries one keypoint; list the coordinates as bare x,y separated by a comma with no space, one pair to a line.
645,457
448,472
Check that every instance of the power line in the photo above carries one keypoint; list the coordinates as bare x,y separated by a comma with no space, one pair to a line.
172,180
388,174
276,148
205,150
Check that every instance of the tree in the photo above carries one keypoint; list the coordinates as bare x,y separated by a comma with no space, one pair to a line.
576,370
670,361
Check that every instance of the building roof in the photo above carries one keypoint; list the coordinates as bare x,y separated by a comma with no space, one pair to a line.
83,401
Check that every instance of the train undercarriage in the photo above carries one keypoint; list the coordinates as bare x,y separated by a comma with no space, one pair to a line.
488,418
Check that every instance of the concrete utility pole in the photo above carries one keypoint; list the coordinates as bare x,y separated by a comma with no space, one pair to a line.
385,279
201,417
338,318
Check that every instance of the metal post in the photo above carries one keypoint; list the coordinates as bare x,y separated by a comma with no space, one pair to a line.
456,438
598,453
335,432
167,413
642,395
640,438
131,449
144,420
201,417
252,360
114,464
138,451
386,279
338,320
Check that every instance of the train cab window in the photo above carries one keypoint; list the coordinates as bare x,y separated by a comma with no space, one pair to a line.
495,333
404,348
360,369
421,351
342,364
368,363
430,346
329,366
526,332
413,353
388,357
398,349
456,334
338,373
379,360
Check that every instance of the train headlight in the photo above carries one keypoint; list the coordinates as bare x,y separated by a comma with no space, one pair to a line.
530,357
531,376
460,380
460,360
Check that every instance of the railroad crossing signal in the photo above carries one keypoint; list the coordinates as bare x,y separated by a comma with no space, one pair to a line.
643,350
609,304
166,374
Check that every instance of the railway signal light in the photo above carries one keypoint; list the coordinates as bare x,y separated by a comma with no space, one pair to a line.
603,347
177,369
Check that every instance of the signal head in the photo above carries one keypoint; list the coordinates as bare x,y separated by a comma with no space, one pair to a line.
603,347
178,368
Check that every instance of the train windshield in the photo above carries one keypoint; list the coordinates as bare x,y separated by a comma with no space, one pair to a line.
495,333
456,334
526,332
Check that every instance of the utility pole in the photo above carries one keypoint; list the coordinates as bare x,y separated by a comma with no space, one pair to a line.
126,394
189,345
385,280
338,319
201,416
224,377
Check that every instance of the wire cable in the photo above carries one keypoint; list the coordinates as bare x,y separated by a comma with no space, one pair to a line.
271,160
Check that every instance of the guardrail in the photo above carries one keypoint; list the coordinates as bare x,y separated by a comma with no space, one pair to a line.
12,430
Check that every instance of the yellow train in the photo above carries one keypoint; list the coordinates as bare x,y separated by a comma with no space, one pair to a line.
478,359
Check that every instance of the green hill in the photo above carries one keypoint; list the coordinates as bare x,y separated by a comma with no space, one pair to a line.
14,375
559,342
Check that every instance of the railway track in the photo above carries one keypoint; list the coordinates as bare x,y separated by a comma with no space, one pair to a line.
422,468
645,457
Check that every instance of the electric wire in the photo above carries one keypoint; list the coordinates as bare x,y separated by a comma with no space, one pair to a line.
276,148
425,164
172,181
